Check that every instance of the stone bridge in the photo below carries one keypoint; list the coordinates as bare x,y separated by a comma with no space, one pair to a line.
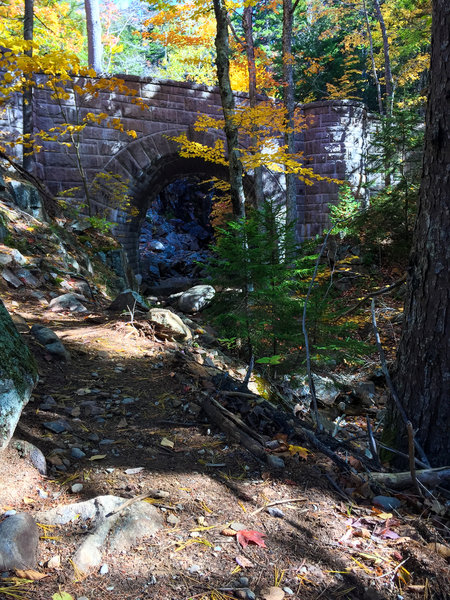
333,143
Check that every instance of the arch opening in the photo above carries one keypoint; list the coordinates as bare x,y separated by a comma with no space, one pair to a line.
176,234
172,233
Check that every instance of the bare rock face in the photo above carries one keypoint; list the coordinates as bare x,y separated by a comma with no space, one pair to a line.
19,537
18,376
111,532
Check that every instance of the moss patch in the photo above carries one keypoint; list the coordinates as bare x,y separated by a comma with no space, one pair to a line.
17,362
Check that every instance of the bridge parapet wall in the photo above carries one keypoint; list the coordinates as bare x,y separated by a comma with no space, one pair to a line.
334,142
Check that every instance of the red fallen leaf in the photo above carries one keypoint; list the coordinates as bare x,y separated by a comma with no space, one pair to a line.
245,536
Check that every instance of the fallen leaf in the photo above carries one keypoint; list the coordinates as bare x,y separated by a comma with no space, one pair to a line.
28,500
245,536
97,457
167,443
228,532
303,452
62,596
441,549
243,561
30,574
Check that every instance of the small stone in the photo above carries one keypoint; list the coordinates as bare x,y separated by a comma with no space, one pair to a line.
76,488
77,453
194,569
243,581
272,593
9,513
54,562
275,462
106,442
386,502
288,591
56,426
173,519
104,569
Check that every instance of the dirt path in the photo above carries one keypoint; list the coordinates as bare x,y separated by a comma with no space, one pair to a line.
128,400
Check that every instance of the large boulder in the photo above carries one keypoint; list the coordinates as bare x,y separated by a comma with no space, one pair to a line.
196,298
128,300
170,321
18,376
19,537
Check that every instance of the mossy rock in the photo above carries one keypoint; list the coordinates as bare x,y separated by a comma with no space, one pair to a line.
18,376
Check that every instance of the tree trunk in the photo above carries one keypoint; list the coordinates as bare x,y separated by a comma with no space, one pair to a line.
94,34
27,96
372,59
387,61
288,97
226,95
422,372
247,23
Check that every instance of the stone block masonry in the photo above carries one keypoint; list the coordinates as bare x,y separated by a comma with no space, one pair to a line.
334,145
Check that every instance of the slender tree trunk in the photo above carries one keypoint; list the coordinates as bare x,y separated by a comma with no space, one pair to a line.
226,95
27,96
247,22
288,97
387,60
94,34
422,372
372,59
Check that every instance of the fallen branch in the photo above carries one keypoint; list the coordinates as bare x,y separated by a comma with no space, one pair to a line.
309,435
276,503
384,290
229,427
387,376
238,421
412,462
430,477
147,494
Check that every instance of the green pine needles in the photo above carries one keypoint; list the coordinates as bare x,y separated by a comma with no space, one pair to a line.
262,280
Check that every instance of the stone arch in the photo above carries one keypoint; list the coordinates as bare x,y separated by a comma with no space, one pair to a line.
150,164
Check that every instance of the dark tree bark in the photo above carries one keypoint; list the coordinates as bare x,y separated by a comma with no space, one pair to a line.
247,23
288,98
228,105
422,372
27,96
94,34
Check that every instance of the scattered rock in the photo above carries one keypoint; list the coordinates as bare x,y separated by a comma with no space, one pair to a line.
68,302
27,278
10,278
44,335
54,562
5,259
56,426
171,321
76,488
386,502
173,519
104,569
19,537
196,298
28,450
275,461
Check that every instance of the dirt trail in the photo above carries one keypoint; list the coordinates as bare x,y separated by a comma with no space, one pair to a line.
124,397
